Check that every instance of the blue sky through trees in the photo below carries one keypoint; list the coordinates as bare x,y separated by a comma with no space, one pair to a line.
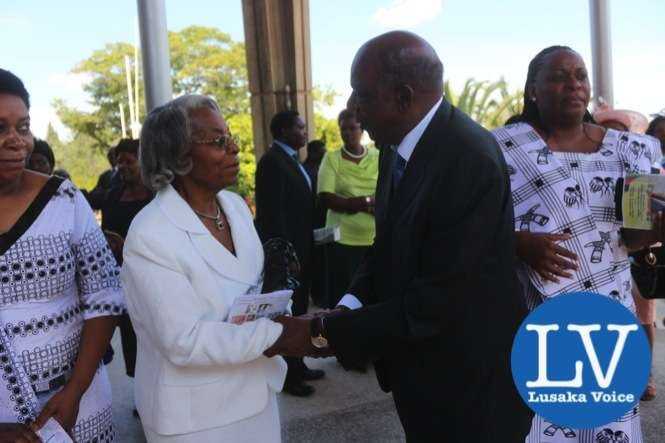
42,40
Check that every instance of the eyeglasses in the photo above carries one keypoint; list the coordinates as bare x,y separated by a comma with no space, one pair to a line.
222,142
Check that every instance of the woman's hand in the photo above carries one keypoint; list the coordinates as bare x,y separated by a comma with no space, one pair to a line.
637,239
17,433
369,200
361,204
542,253
356,204
351,205
63,406
659,227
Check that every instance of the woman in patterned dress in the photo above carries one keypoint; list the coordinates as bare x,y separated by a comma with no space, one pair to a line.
59,293
563,173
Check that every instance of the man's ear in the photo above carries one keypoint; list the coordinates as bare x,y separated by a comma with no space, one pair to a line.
404,96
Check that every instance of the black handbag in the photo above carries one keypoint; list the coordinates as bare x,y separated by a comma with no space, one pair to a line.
648,270
647,265
281,266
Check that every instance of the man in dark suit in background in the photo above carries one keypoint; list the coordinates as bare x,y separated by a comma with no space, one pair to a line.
436,303
285,209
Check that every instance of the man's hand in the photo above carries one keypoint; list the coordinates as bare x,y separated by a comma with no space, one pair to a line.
63,406
17,433
296,339
324,313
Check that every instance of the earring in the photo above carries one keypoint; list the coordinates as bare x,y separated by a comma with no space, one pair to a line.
533,99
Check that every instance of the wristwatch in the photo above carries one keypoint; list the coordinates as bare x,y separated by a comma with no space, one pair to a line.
316,331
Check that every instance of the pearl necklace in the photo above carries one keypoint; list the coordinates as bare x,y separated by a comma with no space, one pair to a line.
355,156
217,218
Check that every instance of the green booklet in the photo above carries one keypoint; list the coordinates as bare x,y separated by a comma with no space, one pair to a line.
643,197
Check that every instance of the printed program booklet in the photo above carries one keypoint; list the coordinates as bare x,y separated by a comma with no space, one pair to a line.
643,197
52,432
323,236
250,307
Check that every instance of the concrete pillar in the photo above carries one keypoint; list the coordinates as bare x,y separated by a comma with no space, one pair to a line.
601,52
155,53
277,44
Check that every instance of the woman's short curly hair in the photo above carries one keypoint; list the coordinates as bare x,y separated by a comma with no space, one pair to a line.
166,139
12,85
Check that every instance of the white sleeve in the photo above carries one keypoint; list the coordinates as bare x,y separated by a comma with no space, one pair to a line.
161,299
350,301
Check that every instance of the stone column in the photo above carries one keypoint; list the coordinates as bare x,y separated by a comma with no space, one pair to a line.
601,52
279,67
155,52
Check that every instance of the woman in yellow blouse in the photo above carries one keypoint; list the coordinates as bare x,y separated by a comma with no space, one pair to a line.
346,185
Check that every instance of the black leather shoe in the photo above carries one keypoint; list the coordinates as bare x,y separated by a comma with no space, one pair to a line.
313,374
299,389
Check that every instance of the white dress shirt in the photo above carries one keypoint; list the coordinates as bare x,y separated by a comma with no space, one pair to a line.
405,150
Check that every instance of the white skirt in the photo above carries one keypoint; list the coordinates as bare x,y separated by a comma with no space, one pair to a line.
263,427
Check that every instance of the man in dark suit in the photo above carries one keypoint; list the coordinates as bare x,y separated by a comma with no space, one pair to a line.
436,303
285,209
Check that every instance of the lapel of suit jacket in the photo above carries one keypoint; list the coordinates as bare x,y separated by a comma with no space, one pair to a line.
383,185
291,165
420,161
244,267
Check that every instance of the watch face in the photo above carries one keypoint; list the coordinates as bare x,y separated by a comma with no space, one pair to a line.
319,342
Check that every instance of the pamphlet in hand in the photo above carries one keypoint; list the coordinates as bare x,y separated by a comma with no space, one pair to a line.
52,432
323,236
643,197
250,307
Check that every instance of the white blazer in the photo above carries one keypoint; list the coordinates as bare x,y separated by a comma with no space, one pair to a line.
194,371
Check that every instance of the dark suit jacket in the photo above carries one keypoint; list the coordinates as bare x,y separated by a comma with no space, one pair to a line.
441,299
284,202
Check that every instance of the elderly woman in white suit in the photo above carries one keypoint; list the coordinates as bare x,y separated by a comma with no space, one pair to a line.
188,254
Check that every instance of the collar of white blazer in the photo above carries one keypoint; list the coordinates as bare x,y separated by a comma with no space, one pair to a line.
243,267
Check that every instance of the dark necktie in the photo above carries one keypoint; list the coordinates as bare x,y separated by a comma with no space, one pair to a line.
398,170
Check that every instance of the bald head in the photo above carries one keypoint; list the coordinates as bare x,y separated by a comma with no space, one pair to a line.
401,57
396,79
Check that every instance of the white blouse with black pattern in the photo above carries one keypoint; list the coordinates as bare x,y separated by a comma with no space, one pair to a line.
56,271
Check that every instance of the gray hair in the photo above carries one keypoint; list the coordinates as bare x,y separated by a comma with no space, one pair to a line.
166,139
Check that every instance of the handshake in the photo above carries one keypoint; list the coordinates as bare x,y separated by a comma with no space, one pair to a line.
303,336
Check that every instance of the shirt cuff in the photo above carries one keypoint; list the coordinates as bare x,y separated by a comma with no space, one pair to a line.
350,301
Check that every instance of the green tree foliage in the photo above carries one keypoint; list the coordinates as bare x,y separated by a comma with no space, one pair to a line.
488,103
326,129
107,88
241,125
78,157
204,60
52,138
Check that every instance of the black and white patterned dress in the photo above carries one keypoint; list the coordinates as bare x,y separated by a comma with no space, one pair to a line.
56,271
573,193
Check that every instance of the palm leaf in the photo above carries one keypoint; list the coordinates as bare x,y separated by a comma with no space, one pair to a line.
463,97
